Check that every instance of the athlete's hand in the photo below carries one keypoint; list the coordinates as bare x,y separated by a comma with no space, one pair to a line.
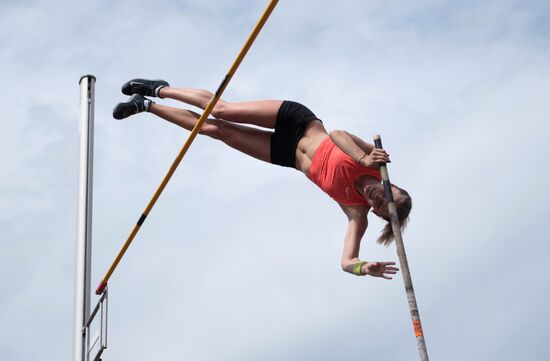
380,269
374,159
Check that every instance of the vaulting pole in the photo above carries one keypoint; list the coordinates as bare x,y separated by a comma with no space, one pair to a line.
392,210
194,132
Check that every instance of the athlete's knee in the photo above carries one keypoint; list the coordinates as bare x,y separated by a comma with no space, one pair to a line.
211,129
221,110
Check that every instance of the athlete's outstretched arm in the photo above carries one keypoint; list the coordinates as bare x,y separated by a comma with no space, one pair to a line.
357,217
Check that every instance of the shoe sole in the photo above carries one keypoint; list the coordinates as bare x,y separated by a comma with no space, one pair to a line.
127,88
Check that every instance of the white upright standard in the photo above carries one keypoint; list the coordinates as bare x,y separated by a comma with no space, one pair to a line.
84,221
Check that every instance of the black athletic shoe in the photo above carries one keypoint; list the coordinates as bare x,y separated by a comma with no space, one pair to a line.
144,87
136,104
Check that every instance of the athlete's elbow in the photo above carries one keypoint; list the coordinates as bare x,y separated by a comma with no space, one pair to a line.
343,267
345,264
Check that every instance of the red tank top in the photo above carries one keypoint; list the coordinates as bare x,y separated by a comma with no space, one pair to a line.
335,173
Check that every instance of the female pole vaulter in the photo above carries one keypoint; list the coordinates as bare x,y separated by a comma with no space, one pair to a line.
341,164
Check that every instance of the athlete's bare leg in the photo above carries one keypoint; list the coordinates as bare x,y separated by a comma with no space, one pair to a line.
251,141
262,113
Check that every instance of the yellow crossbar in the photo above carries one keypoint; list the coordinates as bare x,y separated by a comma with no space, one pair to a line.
194,132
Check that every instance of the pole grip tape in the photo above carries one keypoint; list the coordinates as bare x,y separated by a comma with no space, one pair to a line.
387,191
418,328
378,142
386,182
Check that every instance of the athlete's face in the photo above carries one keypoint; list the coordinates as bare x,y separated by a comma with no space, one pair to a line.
375,196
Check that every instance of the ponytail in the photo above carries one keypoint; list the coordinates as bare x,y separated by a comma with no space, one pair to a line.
386,236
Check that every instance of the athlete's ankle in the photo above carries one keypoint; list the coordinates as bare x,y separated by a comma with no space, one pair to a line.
147,104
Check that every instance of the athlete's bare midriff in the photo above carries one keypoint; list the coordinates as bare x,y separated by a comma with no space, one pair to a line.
313,136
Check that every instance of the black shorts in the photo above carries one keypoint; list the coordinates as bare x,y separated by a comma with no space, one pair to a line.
292,121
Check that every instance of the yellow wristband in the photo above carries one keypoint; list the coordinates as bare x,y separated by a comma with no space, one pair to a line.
357,268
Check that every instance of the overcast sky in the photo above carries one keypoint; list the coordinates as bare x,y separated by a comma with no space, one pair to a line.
239,260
